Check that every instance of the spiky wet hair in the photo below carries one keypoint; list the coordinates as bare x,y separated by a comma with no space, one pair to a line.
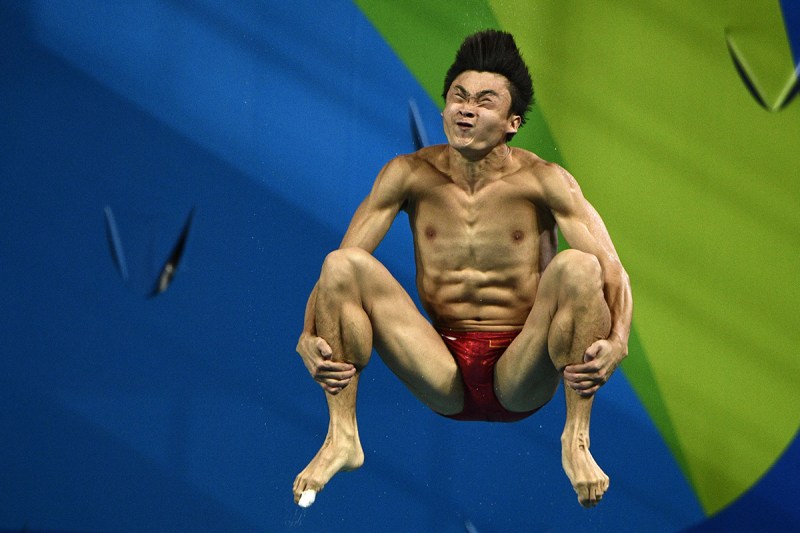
495,51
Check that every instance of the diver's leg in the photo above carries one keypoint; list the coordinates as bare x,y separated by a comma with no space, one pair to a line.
358,301
582,318
569,314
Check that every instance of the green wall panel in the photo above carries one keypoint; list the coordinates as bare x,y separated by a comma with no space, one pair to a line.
699,187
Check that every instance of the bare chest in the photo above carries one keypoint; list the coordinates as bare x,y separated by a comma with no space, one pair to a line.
496,227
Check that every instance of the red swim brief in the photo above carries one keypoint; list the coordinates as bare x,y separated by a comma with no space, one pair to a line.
476,353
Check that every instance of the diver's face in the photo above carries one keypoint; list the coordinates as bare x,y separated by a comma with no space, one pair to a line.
476,115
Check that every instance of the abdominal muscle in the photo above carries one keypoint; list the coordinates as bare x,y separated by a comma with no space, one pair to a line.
474,300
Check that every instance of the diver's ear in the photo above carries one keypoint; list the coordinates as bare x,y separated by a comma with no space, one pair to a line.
514,122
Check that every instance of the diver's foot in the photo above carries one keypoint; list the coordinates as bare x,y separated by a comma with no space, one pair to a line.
588,480
337,454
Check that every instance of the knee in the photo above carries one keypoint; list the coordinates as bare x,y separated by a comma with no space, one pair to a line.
580,273
340,268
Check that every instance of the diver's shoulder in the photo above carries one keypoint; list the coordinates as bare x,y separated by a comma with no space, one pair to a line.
429,154
412,167
529,159
531,165
427,158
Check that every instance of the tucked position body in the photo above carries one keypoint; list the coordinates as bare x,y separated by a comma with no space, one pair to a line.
483,217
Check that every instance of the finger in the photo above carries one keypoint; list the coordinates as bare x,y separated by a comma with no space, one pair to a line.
335,388
331,390
581,374
575,370
335,375
584,387
324,348
329,366
573,380
586,393
593,352
594,348
590,368
574,377
582,381
583,384
335,383
597,349
586,379
597,375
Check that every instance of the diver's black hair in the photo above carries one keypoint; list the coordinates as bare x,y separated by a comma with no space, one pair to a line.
495,51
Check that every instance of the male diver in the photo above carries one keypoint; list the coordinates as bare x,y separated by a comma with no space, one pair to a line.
509,316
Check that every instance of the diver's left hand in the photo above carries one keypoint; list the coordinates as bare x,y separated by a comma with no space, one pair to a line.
599,362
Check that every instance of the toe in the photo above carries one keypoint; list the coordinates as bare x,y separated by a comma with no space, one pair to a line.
584,496
593,497
297,490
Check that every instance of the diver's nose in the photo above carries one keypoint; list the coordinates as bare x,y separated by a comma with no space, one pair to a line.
466,112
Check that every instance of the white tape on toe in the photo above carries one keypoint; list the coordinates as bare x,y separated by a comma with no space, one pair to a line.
307,498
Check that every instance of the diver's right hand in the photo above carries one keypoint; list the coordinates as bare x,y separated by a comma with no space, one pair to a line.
316,354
